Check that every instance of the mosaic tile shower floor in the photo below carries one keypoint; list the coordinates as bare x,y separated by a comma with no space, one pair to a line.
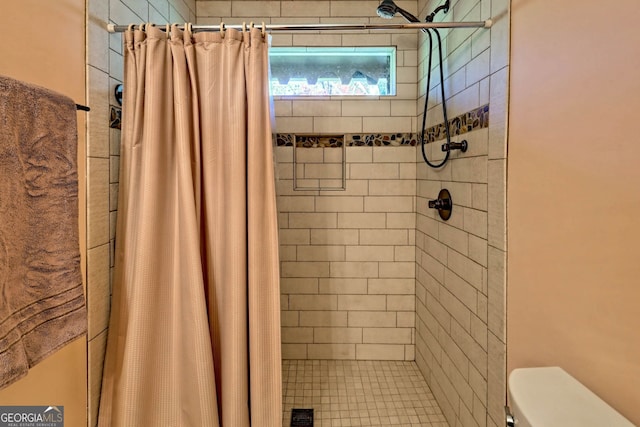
359,393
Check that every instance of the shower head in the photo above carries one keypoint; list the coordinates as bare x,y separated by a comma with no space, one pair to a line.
388,9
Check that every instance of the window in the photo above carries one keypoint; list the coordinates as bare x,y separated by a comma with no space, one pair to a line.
327,71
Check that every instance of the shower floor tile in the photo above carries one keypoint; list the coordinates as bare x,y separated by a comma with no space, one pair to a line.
359,393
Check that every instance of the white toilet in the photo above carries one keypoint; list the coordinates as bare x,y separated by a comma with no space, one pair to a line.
550,397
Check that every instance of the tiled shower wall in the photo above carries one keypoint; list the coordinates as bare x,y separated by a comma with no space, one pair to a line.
347,257
460,277
104,71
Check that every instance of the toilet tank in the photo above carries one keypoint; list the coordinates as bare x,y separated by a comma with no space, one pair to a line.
550,397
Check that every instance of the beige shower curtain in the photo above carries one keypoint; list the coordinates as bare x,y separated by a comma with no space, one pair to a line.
194,336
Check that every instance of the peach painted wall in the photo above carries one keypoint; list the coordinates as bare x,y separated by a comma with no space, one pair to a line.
574,194
44,44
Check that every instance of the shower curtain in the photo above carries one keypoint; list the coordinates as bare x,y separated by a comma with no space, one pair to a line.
194,335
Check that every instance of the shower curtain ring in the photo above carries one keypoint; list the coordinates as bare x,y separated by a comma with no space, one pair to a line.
130,28
167,29
264,30
244,27
222,29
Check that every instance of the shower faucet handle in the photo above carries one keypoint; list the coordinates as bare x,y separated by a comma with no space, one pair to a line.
462,146
440,204
444,204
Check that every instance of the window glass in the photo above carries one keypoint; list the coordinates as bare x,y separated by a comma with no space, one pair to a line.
332,71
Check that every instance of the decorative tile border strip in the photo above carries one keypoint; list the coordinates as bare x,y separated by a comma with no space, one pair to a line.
349,139
477,118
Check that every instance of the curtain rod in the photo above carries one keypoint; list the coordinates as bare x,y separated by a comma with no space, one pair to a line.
112,28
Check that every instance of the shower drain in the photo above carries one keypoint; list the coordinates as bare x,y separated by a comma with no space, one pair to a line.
301,417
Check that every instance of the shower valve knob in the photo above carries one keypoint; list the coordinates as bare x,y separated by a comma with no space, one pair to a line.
440,204
444,204
462,146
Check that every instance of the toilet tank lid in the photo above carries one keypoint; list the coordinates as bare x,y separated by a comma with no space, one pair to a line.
550,397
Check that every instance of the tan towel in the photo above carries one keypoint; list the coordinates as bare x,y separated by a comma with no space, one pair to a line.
42,304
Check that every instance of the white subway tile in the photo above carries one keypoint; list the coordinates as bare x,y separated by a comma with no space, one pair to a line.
374,171
298,285
400,154
337,124
294,237
294,124
401,302
348,286
323,318
252,9
308,155
404,253
379,352
366,108
339,204
388,204
304,269
337,335
406,319
313,220
361,302
386,335
465,268
331,351
296,335
369,253
392,286
475,222
316,108
387,124
383,237
354,187
293,351
295,204
371,319
321,253
497,233
212,8
306,9
361,220
403,108
479,196
478,250
496,292
354,269
392,187
312,302
334,237
359,155
397,269
322,171
289,318
401,220
454,238
472,169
